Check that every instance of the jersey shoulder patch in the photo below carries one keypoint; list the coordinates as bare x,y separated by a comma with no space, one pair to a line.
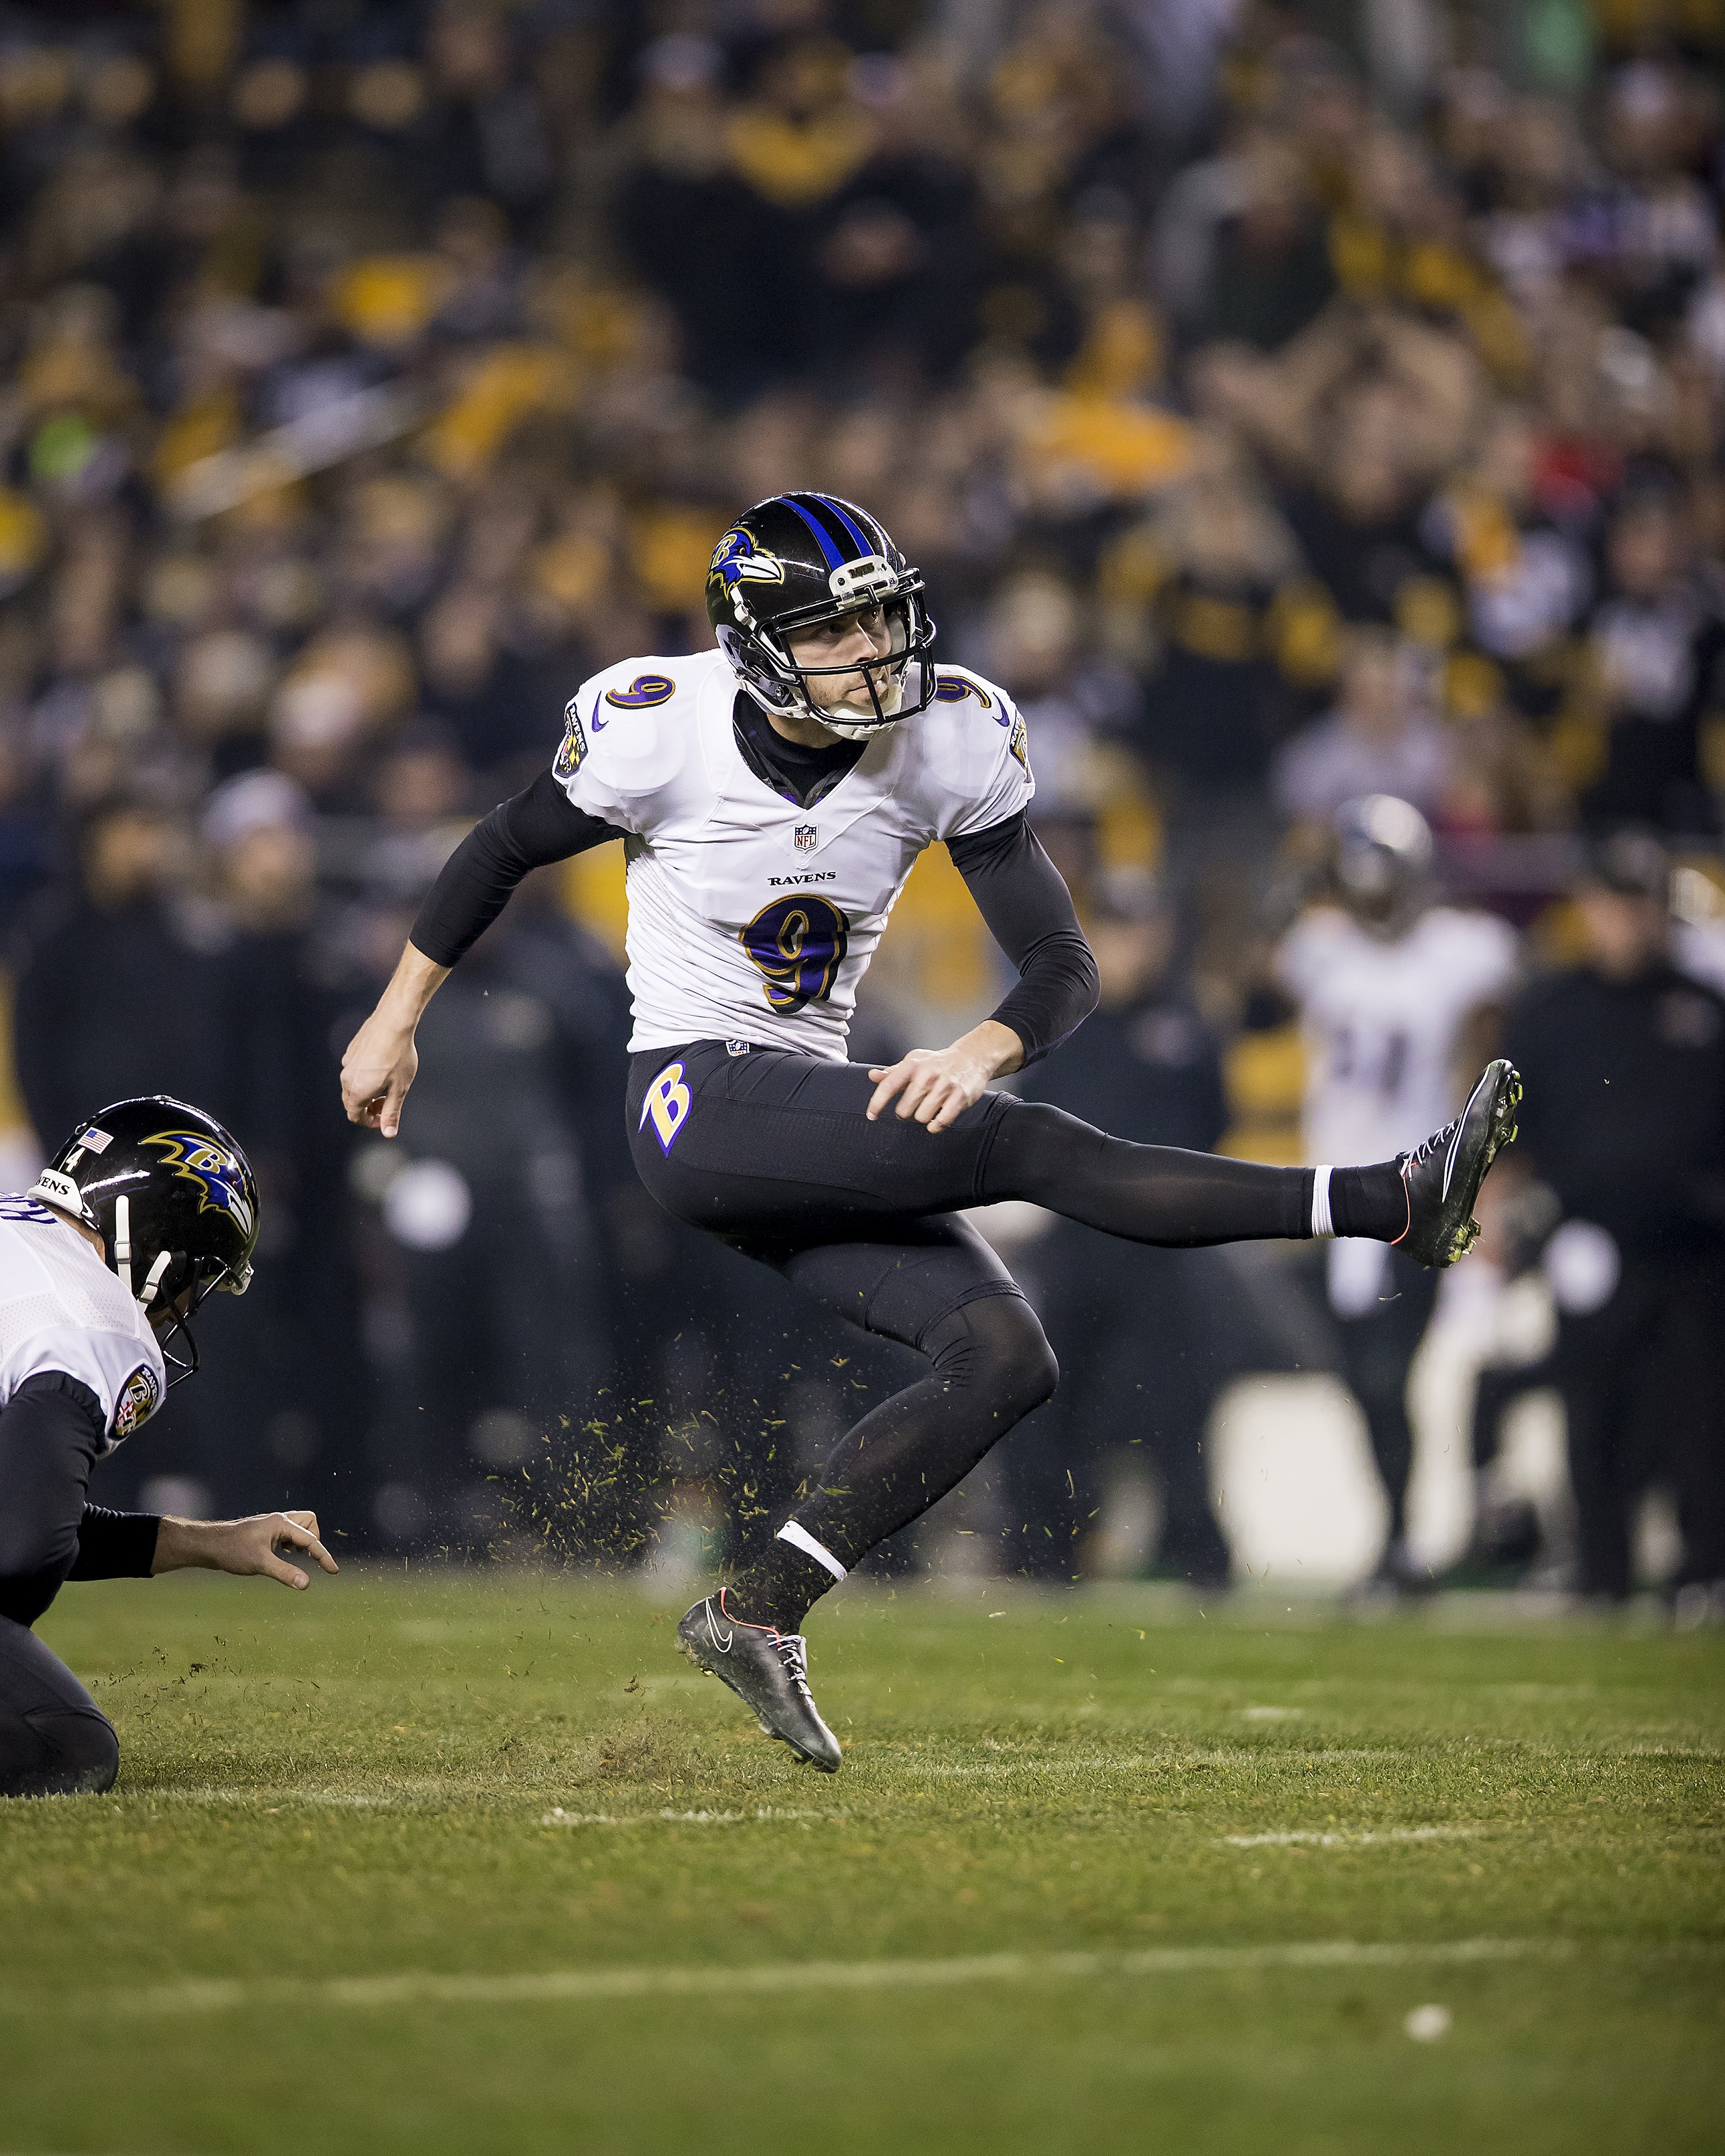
627,732
573,753
135,1402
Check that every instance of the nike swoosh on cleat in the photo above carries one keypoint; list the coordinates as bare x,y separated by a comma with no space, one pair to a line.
712,1632
1460,1126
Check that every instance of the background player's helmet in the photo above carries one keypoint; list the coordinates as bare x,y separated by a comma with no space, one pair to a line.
1383,859
800,559
173,1197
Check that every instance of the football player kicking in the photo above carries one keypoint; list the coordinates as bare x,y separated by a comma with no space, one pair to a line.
772,796
103,1264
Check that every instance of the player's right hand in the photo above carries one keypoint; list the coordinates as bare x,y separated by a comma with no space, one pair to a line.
250,1546
381,1063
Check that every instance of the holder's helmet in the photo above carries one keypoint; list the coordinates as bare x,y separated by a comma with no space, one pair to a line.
1382,861
798,560
173,1197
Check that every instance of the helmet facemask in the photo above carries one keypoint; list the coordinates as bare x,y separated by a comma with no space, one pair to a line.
762,656
168,1279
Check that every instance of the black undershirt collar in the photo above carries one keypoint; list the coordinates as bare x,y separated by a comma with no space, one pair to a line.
798,774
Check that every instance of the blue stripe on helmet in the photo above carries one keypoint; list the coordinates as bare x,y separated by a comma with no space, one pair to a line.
837,507
833,559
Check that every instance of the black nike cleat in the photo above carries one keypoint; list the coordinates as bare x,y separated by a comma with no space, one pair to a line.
768,1671
1442,1177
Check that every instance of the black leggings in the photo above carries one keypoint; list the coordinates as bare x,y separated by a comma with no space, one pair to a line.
54,1740
768,1148
773,1153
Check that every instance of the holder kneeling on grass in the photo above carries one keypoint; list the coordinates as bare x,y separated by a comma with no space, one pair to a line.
143,1212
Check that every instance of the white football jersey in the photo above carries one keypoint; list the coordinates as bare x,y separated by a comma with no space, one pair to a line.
61,1309
749,918
1383,1022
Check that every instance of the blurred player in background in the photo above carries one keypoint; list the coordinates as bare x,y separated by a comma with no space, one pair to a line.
1395,994
773,796
104,1263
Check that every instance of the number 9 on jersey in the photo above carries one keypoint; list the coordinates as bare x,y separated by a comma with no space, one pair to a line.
798,943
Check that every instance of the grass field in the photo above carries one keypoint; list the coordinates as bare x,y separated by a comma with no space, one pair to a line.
473,1863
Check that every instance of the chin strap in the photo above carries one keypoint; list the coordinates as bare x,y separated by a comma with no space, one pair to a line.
153,1280
122,1241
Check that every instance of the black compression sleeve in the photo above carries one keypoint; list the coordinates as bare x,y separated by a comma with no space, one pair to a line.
536,828
51,1433
1023,898
115,1545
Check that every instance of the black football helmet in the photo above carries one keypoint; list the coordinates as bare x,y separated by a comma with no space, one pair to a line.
1382,861
173,1197
796,561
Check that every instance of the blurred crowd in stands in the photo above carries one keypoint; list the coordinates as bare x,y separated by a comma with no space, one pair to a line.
1287,404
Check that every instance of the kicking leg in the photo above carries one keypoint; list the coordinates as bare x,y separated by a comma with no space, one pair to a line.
1160,1194
768,1144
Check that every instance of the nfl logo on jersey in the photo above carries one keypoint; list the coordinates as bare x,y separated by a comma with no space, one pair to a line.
804,837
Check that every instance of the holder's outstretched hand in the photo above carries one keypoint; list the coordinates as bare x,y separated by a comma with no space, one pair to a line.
248,1548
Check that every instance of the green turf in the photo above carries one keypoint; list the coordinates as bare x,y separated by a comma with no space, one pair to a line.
322,1792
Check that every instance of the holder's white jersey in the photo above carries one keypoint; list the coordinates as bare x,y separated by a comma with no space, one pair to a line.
61,1309
749,918
1383,1022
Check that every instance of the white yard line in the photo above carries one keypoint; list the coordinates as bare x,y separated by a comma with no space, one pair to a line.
1346,1839
556,1816
417,1987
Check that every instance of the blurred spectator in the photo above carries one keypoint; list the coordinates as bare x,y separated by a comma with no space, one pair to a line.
1380,738
1658,642
115,997
1269,272
1624,1059
1132,1325
486,1220
294,1368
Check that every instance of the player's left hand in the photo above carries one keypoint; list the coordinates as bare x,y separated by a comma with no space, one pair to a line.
933,1086
246,1547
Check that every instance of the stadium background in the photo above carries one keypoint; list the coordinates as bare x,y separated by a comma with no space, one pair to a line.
1282,402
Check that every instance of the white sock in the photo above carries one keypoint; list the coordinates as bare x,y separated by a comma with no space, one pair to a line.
1321,1224
800,1538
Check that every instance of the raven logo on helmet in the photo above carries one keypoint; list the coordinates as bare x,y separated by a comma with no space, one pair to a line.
217,1175
735,562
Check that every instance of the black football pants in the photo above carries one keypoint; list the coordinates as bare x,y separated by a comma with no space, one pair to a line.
54,1740
772,1151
